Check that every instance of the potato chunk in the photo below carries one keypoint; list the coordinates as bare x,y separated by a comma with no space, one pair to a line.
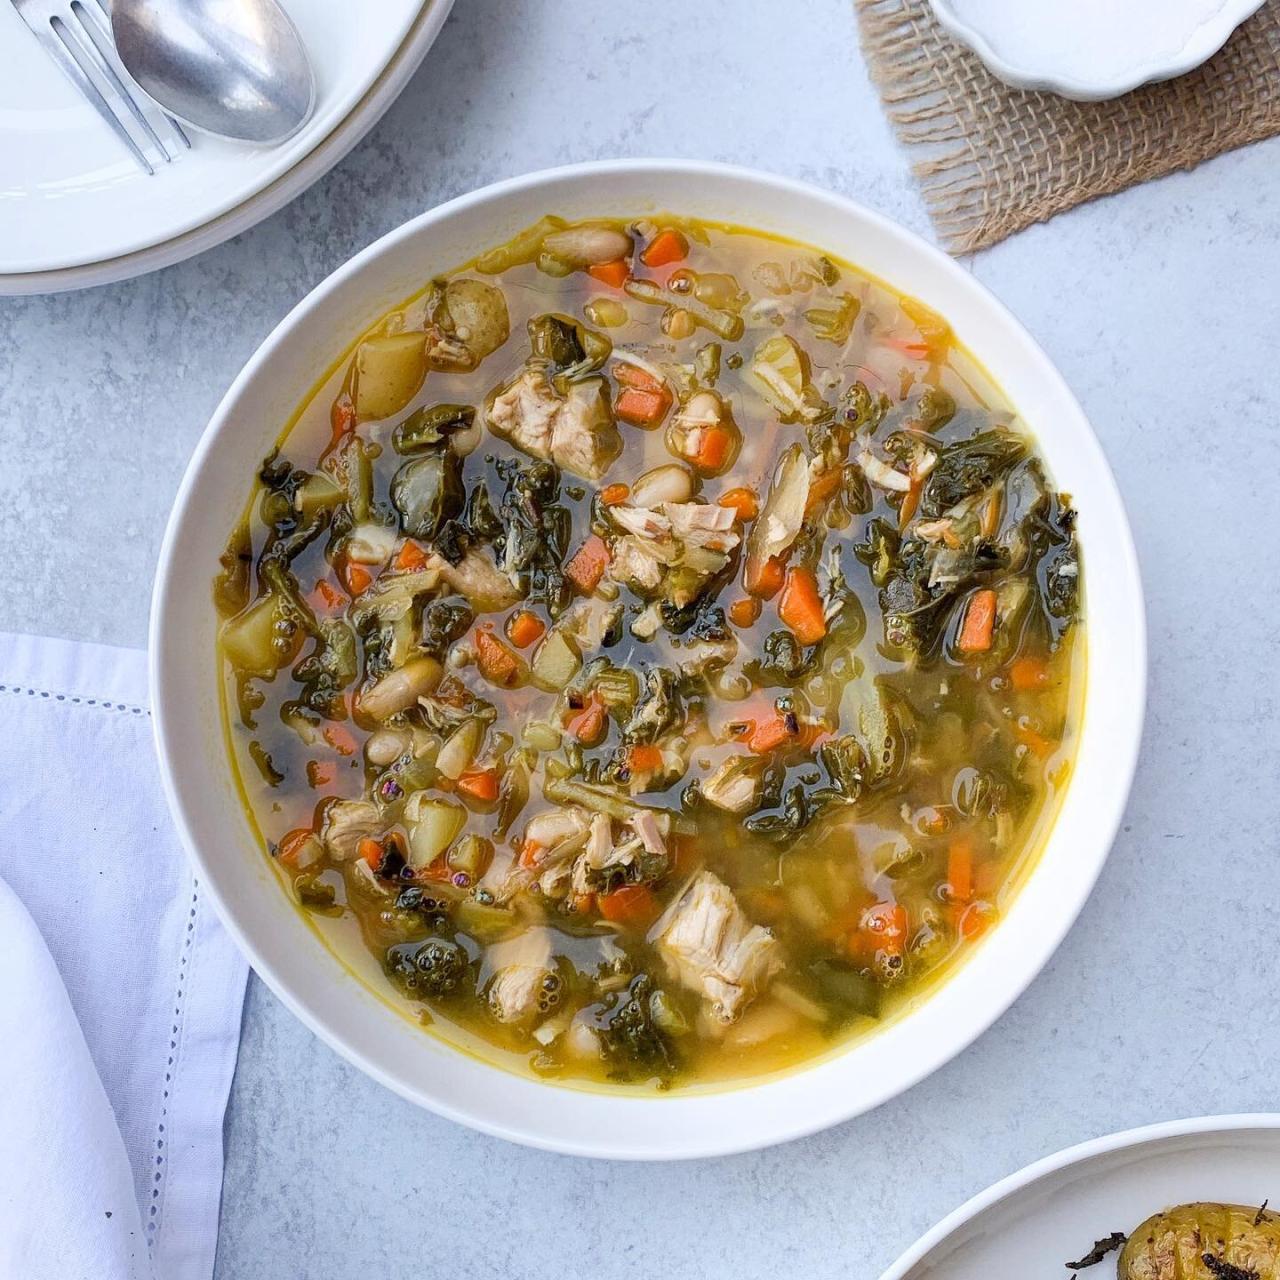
1204,1242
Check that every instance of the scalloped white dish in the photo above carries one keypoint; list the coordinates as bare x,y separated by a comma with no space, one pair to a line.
1031,1222
1091,50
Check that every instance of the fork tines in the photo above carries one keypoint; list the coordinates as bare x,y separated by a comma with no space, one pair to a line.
77,36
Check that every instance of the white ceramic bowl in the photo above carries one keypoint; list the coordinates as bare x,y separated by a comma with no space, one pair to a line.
1033,1221
335,1003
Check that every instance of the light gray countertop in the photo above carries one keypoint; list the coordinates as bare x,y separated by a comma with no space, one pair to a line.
1160,306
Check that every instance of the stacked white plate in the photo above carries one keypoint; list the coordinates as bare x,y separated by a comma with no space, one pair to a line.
76,210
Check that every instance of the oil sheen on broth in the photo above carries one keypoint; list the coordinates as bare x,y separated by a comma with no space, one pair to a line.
661,644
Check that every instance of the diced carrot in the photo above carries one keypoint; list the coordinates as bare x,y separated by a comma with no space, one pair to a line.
612,494
411,558
1028,673
644,758
340,738
439,871
587,565
910,504
633,904
990,518
931,821
371,851
290,848
979,624
912,347
742,501
641,408
666,247
356,577
712,446
480,784
744,612
632,375
524,628
1035,742
768,579
822,488
768,735
342,417
321,773
614,273
497,663
801,606
529,852
590,724
960,869
973,920
882,928
327,595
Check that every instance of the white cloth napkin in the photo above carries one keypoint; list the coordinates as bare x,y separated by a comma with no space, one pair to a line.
120,994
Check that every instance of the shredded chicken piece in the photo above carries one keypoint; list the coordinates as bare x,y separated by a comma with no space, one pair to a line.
932,530
703,409
879,472
577,432
642,522
734,786
696,537
709,655
556,827
524,981
635,566
923,463
703,524
526,412
551,841
712,948
646,624
346,823
646,825
584,438
475,576
600,840
601,854
445,352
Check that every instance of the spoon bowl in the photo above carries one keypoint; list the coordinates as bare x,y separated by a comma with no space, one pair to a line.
233,68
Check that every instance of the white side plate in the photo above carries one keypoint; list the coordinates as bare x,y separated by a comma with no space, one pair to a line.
70,195
1052,1211
1092,49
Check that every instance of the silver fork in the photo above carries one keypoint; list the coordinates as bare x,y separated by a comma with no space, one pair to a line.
76,34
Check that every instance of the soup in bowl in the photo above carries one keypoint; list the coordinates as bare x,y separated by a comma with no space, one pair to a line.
653,658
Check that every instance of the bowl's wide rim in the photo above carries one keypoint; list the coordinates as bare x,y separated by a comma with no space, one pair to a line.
1046,1166
761,1125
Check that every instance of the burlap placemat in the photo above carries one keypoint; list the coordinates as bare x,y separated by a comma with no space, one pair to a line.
993,159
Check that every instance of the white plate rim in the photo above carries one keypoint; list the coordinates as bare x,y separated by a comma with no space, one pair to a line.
1201,44
168,575
308,169
1025,1178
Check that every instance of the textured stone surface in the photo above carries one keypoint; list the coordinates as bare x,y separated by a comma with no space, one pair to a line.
1160,307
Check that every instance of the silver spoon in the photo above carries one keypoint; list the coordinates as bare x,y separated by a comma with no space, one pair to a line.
234,68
